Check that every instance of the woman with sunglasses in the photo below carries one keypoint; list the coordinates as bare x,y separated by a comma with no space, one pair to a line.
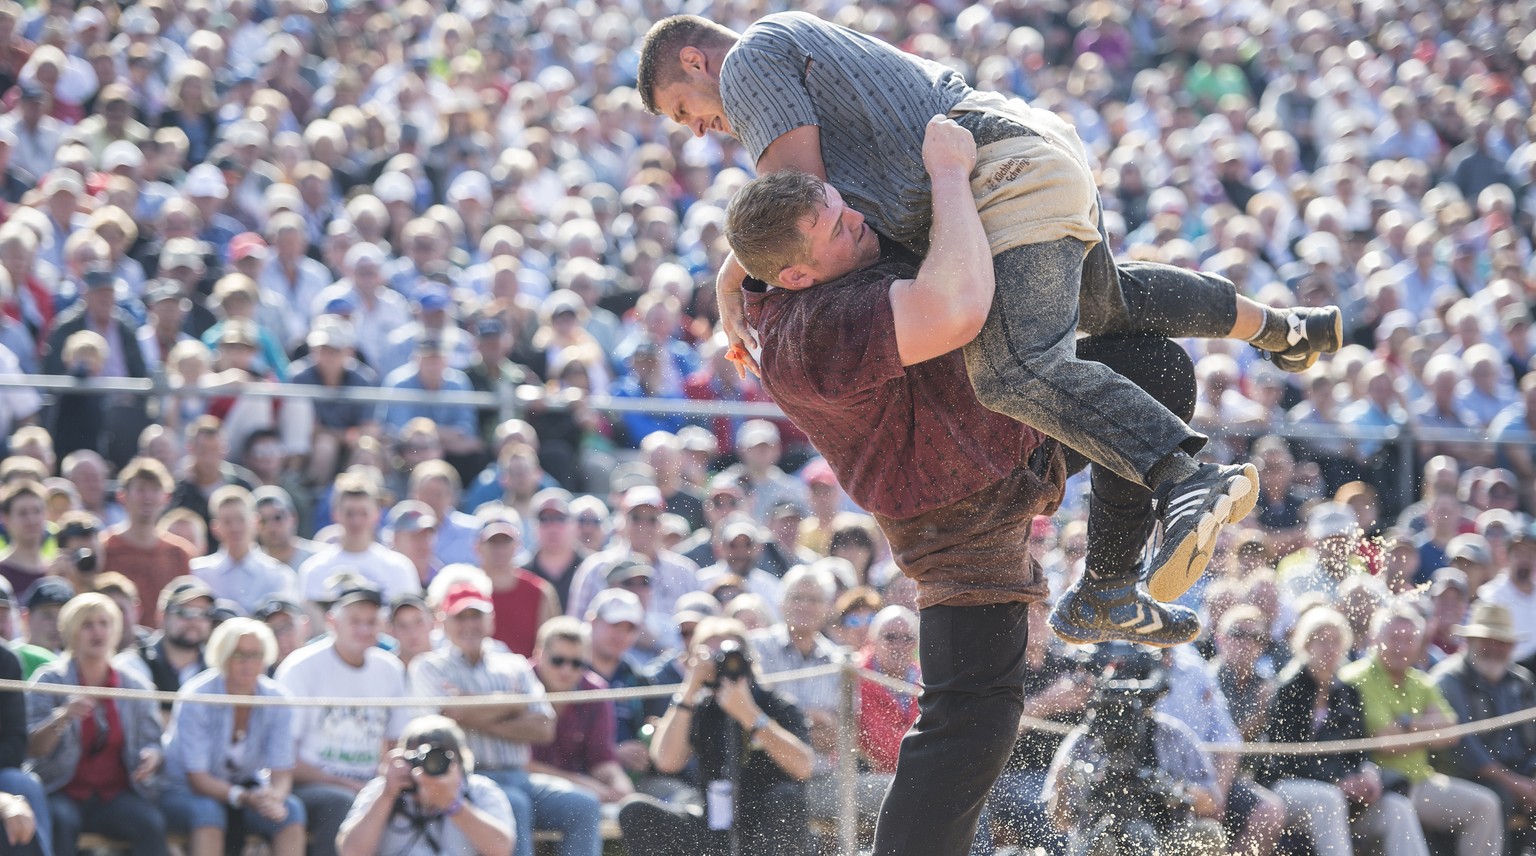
229,763
98,758
584,751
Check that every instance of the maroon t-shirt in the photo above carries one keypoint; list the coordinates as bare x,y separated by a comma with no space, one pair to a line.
584,733
902,440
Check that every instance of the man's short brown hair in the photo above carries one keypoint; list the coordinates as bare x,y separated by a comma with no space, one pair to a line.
146,469
659,66
762,223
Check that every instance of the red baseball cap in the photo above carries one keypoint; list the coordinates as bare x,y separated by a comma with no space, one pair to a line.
462,596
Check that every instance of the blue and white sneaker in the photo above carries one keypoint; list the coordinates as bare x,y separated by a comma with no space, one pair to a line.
1193,512
1094,611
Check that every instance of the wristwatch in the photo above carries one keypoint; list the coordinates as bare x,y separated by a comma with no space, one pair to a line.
236,792
762,721
679,703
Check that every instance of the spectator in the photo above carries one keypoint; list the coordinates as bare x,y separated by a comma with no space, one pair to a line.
1330,555
664,452
41,606
457,811
738,547
1515,589
225,762
757,443
340,748
277,524
522,600
174,655
1399,699
126,595
22,800
285,617
413,625
884,714
25,521
355,508
1483,682
1244,674
613,627
428,371
722,498
331,363
437,484
641,509
584,751
87,471
412,529
207,468
770,814
1335,794
782,549
239,571
136,549
501,738
557,554
98,758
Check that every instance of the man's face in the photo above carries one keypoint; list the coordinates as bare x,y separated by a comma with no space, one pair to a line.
357,628
275,524
739,554
837,243
1398,644
413,628
26,520
357,515
497,551
189,624
694,103
43,627
232,526
611,640
643,524
468,630
144,499
561,665
806,606
289,630
1491,656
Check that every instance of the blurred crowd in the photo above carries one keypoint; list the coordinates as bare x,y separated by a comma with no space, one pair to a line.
468,196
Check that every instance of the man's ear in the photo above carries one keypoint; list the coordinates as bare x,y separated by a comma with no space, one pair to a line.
692,59
796,277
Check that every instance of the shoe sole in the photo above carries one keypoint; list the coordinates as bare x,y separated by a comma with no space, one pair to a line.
1187,561
1073,639
1310,359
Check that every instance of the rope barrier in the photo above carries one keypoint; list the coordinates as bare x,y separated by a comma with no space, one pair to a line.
1328,747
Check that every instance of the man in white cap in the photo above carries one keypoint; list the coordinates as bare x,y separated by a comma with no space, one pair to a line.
1330,555
738,544
206,187
613,623
759,448
639,532
38,134
377,311
1515,589
1483,682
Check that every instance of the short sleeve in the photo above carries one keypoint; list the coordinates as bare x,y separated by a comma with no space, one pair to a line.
837,341
762,89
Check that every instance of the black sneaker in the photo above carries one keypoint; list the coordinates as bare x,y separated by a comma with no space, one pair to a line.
1094,611
1312,332
1193,511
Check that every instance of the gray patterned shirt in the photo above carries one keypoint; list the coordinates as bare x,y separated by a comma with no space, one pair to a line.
871,101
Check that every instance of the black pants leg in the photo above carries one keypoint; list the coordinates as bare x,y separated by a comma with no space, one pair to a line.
653,828
973,671
1120,516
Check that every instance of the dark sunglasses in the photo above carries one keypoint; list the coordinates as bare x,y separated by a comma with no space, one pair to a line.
904,638
553,517
563,662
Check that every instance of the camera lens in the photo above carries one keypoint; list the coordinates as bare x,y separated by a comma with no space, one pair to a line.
84,559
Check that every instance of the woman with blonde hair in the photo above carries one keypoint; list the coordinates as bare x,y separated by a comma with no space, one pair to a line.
227,762
99,758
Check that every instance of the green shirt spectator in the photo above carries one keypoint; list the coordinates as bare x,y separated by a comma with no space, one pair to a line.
1390,703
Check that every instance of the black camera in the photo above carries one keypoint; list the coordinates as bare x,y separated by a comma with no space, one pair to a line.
732,662
433,760
84,560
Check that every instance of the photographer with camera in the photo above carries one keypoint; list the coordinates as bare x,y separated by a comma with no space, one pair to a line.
428,801
754,756
1130,779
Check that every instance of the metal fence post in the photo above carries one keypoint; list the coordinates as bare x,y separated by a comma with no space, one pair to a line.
847,763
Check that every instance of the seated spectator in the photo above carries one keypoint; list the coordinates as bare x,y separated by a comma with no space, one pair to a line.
1330,554
98,758
356,510
1482,682
239,571
523,601
41,605
412,810
613,626
136,549
1246,677
126,595
412,532
502,738
231,766
88,472
339,748
758,445
557,553
854,610
285,617
770,813
207,468
338,422
437,484
429,371
23,803
277,521
26,529
1341,793
174,655
1399,699
584,751
188,525
738,549
412,624
1515,589
884,714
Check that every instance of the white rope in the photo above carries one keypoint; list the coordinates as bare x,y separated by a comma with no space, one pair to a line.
1324,747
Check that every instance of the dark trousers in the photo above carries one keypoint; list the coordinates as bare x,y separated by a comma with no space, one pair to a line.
973,657
1120,516
778,824
127,817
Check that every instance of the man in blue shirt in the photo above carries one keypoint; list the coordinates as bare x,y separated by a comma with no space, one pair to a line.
429,370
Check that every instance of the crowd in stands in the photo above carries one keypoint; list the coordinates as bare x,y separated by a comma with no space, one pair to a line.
445,196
